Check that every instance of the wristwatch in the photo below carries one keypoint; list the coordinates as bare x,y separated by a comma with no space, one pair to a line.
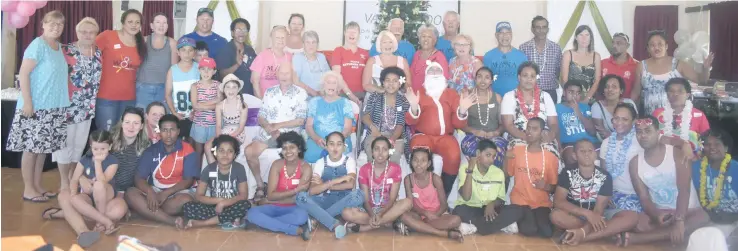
469,171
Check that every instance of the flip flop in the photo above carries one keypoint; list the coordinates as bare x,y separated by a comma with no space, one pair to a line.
49,194
54,209
112,230
86,239
37,199
340,231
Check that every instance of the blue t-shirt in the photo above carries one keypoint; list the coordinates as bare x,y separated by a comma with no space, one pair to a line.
310,72
89,165
505,67
404,49
445,46
214,41
729,199
572,129
164,169
49,87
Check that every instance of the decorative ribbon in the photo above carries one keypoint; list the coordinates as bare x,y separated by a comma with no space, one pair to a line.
252,119
574,22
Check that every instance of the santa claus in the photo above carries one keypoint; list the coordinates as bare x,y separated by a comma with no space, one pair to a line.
435,112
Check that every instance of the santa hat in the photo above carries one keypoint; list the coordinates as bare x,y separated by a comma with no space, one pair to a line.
432,64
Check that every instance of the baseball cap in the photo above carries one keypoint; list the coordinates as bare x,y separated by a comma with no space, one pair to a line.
620,34
205,10
503,25
185,41
206,62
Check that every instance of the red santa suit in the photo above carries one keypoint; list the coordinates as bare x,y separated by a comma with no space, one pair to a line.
438,116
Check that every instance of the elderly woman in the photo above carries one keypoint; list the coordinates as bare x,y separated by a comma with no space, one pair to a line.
649,86
296,25
129,141
582,63
84,59
122,53
310,65
387,44
40,121
162,54
463,67
349,60
611,87
266,64
428,36
326,114
384,115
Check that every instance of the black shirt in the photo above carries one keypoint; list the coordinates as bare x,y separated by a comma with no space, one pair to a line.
227,57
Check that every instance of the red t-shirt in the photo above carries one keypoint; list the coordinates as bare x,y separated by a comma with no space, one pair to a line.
352,66
699,123
119,66
417,69
626,71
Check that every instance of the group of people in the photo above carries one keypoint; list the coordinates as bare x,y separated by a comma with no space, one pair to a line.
520,158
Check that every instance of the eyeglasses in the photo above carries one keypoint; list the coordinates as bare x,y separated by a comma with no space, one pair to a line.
237,30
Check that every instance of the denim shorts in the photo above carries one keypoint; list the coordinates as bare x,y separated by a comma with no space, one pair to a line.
201,134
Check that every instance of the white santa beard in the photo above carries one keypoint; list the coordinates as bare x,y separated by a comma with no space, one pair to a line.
435,88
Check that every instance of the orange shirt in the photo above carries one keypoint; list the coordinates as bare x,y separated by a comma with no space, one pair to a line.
119,66
523,192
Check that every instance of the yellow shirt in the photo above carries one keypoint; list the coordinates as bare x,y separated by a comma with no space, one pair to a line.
485,188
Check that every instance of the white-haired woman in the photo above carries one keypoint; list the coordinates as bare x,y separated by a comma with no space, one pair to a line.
387,44
311,65
428,36
85,65
326,114
265,66
463,67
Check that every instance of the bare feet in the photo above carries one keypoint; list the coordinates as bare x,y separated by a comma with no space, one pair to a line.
621,239
573,237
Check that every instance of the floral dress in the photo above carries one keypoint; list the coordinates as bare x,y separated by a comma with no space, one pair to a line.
84,82
462,74
654,92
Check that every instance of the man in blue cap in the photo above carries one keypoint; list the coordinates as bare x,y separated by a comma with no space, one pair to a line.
204,32
504,60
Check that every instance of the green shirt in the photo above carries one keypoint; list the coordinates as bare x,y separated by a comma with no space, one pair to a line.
485,188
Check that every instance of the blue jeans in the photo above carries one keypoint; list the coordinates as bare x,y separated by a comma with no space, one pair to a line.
108,112
147,93
326,206
285,219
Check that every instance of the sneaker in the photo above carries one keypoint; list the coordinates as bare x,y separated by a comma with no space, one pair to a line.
467,229
307,231
511,229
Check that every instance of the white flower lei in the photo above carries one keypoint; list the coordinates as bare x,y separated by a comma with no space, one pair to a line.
685,123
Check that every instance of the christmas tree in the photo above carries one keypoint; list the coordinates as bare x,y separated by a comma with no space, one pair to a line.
413,12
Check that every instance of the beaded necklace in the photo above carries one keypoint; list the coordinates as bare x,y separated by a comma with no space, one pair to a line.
384,184
543,167
479,111
615,157
386,117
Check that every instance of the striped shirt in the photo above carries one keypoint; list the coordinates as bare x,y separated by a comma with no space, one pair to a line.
205,94
375,107
127,164
549,62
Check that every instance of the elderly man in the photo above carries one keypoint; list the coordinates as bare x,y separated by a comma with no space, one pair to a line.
404,48
450,30
504,60
284,110
620,62
236,56
436,111
546,54
204,32
428,35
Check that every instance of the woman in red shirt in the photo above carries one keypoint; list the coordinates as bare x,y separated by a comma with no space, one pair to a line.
349,60
122,53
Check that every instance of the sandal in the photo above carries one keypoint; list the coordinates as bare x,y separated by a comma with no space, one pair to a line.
459,238
260,192
48,214
37,199
306,232
49,194
114,228
401,228
180,223
86,239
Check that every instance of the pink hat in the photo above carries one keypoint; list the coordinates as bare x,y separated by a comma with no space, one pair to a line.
206,62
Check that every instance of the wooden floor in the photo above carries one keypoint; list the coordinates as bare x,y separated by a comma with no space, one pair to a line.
24,219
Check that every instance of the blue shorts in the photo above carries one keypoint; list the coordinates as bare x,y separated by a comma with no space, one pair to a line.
201,134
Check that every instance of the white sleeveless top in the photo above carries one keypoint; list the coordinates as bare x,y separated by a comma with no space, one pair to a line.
377,68
661,181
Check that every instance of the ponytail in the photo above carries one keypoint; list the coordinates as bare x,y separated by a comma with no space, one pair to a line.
140,42
243,103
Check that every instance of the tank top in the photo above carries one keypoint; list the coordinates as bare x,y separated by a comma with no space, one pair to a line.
425,198
661,181
286,182
584,73
485,116
181,83
205,94
154,68
654,92
231,123
377,67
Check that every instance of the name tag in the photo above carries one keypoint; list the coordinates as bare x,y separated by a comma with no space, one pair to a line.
399,108
213,174
486,187
416,195
490,106
390,181
116,46
295,181
697,114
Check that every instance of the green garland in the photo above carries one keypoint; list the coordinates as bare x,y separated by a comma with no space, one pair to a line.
574,22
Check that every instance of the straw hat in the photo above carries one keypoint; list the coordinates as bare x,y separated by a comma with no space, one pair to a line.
229,78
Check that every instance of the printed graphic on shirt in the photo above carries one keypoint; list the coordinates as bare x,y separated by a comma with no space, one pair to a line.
124,63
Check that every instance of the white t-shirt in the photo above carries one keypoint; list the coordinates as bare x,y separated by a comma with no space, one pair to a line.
622,183
319,166
508,104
